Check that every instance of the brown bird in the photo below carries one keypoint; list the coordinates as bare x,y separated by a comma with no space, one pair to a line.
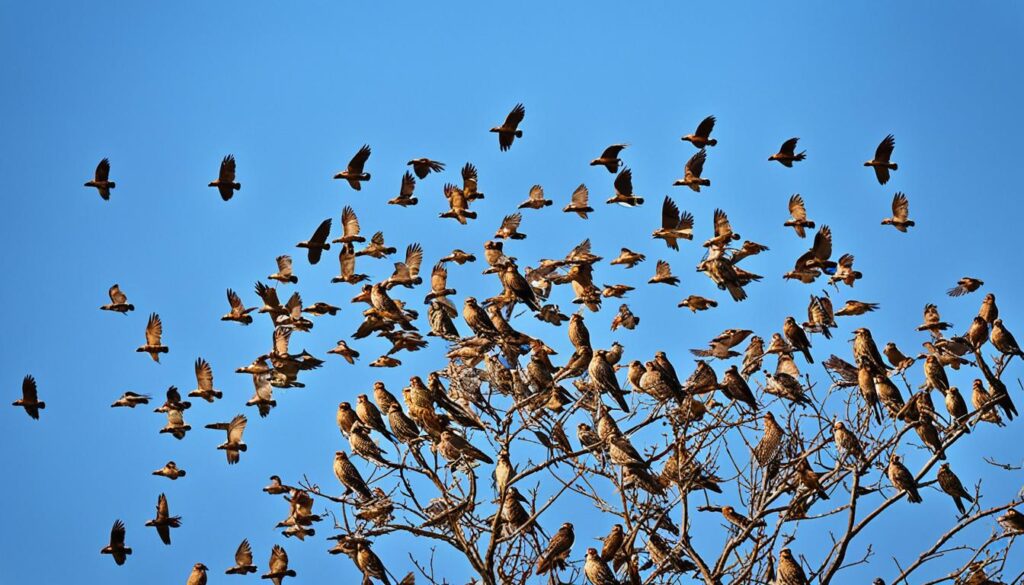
596,571
881,162
701,136
239,313
198,575
278,566
243,560
225,182
697,303
164,521
30,397
789,571
536,200
118,301
354,172
965,286
404,197
950,484
853,308
798,216
845,272
234,445
735,388
469,183
509,130
557,551
456,448
602,376
424,166
612,543
625,318
900,213
579,203
809,265
1012,521
1003,340
204,382
624,190
767,449
797,338
628,258
369,564
349,476
116,548
692,171
154,331
609,159
899,361
459,257
458,205
509,228
674,225
787,154
170,471
284,270
663,274
370,416
347,262
847,442
101,181
738,520
902,479
616,291
317,243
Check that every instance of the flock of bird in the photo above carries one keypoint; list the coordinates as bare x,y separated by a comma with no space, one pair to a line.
487,347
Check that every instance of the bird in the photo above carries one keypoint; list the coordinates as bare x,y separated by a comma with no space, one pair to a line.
470,178
101,181
787,154
674,225
557,551
117,548
225,182
798,216
1012,521
853,308
950,484
701,137
597,571
663,274
509,228
767,449
204,382
164,521
317,243
234,445
198,575
609,158
118,301
847,442
797,338
459,257
424,166
579,202
347,262
881,162
456,448
405,193
30,397
692,173
284,270
698,303
965,286
354,173
278,566
535,200
243,560
509,130
170,470
789,571
1003,340
902,479
628,258
369,564
239,312
624,190
625,318
347,353
900,213
154,333
349,476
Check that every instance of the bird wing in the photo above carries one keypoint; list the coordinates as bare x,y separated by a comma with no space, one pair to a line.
355,166
278,560
161,507
695,166
722,225
612,151
581,196
236,427
347,259
822,248
511,223
284,265
154,329
234,300
796,207
116,296
469,178
439,277
846,261
117,534
885,148
624,182
686,221
268,294
900,206
663,269
408,185
322,232
29,392
281,338
536,193
173,395
705,127
349,222
103,170
669,214
788,147
414,258
204,374
515,117
243,556
227,169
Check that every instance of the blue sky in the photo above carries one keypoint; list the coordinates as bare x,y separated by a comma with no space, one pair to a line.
166,90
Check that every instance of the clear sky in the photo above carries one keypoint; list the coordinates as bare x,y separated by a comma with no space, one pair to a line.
166,89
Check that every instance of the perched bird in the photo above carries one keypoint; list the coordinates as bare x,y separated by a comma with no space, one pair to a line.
612,543
557,551
881,162
663,274
170,471
1003,340
369,564
674,225
284,270
116,548
404,197
692,173
847,442
767,449
101,181
234,445
278,566
900,213
964,286
701,137
509,130
1012,521
456,448
225,182
950,484
899,361
902,479
536,200
596,571
787,154
602,375
609,159
118,301
354,173
624,190
349,476
198,575
30,397
243,560
798,216
164,521
154,332
424,166
797,338
789,571
317,243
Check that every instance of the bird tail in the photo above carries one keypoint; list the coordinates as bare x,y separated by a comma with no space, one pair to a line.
705,182
519,133
893,166
712,142
237,186
41,405
801,156
111,184
293,279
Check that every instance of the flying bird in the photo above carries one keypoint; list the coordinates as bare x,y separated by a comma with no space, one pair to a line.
117,548
798,216
624,190
164,521
692,173
900,213
30,397
881,162
154,332
243,560
609,159
317,243
354,173
701,136
579,202
674,225
225,182
509,130
118,301
234,445
424,166
101,181
535,200
787,154
405,193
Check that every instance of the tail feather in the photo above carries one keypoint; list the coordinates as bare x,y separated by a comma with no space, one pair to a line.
712,142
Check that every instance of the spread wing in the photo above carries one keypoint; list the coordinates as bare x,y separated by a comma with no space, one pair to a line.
515,117
796,208
355,166
347,258
537,193
695,166
154,329
663,269
439,277
29,392
624,182
846,261
469,178
173,395
243,556
322,232
900,207
161,507
349,222
613,151
103,170
116,296
581,196
278,560
235,301
408,185
377,238
236,427
789,146
885,148
117,534
669,214
284,265
722,225
705,127
413,259
511,223
227,169
204,374
822,248
268,294
281,338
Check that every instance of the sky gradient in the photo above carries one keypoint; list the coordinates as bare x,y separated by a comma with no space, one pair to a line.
166,90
